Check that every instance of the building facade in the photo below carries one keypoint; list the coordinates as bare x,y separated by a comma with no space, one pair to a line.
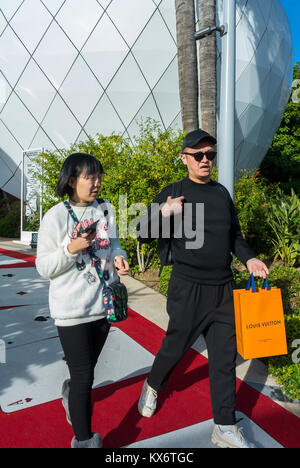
71,69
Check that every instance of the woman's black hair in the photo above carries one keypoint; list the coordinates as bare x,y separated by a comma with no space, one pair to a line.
74,165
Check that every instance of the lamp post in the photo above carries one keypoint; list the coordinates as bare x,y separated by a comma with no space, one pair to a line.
226,131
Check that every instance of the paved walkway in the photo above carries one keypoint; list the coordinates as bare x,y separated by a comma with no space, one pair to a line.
150,305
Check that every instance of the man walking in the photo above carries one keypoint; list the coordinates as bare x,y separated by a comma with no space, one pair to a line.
200,297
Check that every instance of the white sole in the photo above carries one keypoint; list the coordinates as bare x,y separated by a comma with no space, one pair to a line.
145,412
221,444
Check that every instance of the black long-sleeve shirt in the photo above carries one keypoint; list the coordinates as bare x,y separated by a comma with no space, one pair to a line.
211,263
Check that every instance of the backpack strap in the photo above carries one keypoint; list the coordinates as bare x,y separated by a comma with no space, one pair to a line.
176,189
101,201
224,190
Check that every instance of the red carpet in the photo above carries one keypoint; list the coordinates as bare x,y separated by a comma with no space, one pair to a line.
28,259
185,401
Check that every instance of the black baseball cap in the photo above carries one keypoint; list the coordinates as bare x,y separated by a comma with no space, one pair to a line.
194,137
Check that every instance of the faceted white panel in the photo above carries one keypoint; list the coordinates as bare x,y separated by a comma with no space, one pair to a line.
128,90
167,11
10,158
16,116
154,49
9,8
79,90
30,28
53,5
13,56
166,94
60,125
35,90
265,9
240,7
103,56
104,3
9,146
130,17
148,108
78,19
41,140
263,66
55,65
5,90
100,66
3,22
104,119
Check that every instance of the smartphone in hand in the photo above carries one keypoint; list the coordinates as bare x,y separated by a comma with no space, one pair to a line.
89,229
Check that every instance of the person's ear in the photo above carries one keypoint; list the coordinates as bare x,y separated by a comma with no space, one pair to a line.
183,159
72,182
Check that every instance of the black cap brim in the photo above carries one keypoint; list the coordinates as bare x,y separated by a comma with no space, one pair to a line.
193,138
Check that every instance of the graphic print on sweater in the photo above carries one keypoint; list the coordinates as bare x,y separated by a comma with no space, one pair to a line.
100,242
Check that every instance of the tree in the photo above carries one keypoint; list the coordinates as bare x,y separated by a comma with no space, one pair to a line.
187,63
208,67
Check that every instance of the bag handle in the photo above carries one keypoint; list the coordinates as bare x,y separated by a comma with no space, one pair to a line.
251,283
266,284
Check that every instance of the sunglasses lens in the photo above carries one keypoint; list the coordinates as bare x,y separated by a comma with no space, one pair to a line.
210,155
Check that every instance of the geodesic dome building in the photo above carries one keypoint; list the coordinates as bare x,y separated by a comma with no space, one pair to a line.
70,69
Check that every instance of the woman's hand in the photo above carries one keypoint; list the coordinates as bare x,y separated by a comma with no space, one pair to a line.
81,242
121,265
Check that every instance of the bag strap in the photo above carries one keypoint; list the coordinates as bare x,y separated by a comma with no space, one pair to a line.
266,284
101,201
89,249
176,189
251,283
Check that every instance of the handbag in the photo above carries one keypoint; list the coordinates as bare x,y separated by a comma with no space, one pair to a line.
115,295
259,319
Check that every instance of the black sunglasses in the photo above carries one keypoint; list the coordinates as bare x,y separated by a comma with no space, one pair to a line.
200,155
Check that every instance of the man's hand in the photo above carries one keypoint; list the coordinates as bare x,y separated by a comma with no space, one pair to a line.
121,265
172,206
257,267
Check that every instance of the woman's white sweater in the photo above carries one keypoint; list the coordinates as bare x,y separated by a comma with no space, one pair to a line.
75,293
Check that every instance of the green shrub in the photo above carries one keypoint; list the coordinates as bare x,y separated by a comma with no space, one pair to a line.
138,172
284,221
10,223
164,279
251,198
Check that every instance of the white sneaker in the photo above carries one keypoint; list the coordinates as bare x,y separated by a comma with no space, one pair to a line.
229,437
147,401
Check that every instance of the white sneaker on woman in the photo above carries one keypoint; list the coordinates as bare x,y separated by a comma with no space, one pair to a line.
229,437
147,401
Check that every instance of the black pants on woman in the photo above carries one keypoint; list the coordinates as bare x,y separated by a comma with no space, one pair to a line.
196,309
82,345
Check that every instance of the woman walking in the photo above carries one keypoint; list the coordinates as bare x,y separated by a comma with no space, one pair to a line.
75,294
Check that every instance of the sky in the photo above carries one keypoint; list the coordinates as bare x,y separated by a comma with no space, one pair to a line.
292,8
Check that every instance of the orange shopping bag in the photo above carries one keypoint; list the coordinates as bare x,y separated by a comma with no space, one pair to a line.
259,319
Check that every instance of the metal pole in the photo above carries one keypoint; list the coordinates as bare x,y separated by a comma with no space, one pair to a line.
226,133
22,196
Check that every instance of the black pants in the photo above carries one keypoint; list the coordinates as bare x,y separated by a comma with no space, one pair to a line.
82,345
196,309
